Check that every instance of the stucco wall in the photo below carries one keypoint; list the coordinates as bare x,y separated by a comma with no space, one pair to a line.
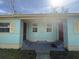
11,39
41,34
71,36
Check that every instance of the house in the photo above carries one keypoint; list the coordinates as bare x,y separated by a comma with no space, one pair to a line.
39,27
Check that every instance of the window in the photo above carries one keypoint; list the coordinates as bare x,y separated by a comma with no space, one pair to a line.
49,28
76,26
4,27
34,27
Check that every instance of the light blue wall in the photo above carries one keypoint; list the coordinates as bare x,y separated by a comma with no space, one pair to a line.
42,35
65,31
11,37
71,37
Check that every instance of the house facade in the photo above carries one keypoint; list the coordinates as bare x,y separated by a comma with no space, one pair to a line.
39,27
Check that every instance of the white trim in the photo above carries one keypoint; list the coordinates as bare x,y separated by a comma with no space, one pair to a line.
10,46
73,47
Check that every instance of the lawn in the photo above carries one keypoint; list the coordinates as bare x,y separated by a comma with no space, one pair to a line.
17,54
30,54
64,55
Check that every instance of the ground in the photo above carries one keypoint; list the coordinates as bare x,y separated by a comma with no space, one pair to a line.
16,54
30,54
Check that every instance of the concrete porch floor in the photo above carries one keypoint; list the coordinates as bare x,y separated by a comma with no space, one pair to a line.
43,48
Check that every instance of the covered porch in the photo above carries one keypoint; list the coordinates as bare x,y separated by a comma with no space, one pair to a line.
43,32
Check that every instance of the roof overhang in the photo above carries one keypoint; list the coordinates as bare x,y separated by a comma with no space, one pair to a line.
32,16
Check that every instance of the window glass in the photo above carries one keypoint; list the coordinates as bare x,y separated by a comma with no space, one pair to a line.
4,27
34,28
49,28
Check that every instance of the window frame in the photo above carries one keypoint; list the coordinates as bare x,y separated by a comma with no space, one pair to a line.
5,27
49,28
34,27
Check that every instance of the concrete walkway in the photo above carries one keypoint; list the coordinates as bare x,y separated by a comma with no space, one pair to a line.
43,56
42,53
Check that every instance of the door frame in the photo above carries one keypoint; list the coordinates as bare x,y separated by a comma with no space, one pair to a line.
24,30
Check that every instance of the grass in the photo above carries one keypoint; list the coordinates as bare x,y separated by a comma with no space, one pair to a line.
30,54
17,54
64,55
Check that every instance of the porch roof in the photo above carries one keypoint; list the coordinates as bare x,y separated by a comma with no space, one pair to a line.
31,16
